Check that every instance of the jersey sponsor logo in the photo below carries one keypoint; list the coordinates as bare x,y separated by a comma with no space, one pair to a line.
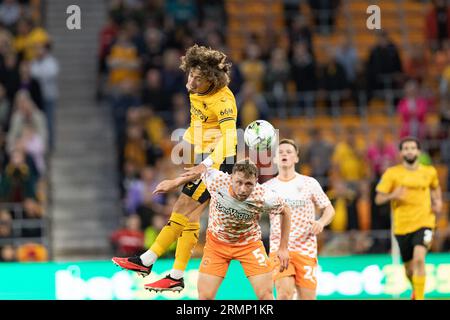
295,203
233,212
198,113
226,112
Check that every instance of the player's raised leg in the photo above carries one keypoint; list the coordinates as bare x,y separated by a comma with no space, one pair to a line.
185,246
178,220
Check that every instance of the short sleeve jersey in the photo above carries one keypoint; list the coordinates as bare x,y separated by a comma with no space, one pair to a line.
302,195
233,221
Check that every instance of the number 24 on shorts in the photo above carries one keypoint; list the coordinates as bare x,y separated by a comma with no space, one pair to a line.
310,273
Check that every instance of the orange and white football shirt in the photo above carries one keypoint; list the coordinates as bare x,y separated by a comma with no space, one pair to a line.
301,195
233,221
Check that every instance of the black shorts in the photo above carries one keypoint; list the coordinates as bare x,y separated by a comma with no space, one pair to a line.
407,242
197,189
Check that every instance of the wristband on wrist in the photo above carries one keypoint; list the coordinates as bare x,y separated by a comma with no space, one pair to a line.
208,162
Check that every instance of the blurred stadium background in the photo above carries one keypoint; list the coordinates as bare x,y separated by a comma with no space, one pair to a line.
86,118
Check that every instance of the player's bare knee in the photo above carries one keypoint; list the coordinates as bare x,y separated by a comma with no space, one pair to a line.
409,272
205,294
284,293
419,264
264,294
418,261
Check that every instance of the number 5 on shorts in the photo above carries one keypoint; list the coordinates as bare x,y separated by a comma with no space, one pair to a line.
260,257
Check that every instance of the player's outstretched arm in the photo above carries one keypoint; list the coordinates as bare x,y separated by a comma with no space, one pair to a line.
283,253
169,185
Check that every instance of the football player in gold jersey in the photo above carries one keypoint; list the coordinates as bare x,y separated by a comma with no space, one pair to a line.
415,196
213,138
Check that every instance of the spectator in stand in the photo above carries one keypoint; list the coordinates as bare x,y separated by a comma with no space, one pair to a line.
251,104
6,42
182,11
153,92
128,241
106,38
6,221
25,112
154,48
17,182
5,110
130,174
384,65
180,108
33,144
33,209
291,10
30,83
125,99
9,75
347,56
8,253
45,69
318,155
412,110
277,74
304,75
380,155
416,64
324,12
156,134
135,149
299,31
349,167
9,13
437,24
333,81
132,28
172,75
212,9
123,62
343,198
28,37
140,198
3,152
252,67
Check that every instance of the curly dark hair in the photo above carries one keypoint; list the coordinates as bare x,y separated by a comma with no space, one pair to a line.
211,63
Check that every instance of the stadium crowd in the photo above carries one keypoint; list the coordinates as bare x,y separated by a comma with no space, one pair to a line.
139,76
28,91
